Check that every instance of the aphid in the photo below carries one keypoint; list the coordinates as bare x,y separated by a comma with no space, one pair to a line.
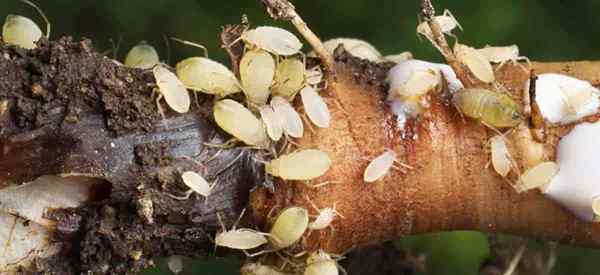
273,123
292,122
21,31
197,184
596,206
175,264
537,176
274,40
492,109
172,89
257,69
315,107
503,54
259,269
294,166
325,217
289,227
501,159
321,263
314,76
289,78
379,166
241,239
204,75
238,121
398,58
355,47
477,63
142,56
447,24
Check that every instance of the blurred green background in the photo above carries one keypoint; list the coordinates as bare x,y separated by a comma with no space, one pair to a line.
545,30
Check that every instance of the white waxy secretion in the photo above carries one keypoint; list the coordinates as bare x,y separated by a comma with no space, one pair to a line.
379,166
300,165
477,63
399,75
21,31
273,123
272,39
172,89
259,269
142,56
257,69
197,183
563,99
356,47
321,263
501,159
205,75
289,78
293,125
238,121
576,184
315,107
289,227
398,58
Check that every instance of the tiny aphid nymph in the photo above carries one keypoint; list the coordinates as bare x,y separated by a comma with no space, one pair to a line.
21,31
172,89
272,39
321,263
537,176
477,63
257,69
205,75
315,107
292,125
142,56
379,166
240,122
501,158
289,227
197,183
289,78
295,166
491,108
324,218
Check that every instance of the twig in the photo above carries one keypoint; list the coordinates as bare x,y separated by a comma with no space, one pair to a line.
536,119
284,10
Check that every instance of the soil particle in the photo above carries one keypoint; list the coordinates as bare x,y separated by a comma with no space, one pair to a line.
153,154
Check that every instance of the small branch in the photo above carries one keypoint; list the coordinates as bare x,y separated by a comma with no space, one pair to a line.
536,119
284,10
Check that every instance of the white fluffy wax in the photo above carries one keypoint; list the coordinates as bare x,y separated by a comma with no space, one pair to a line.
578,180
551,92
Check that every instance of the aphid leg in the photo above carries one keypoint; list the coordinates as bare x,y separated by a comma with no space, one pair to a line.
449,14
526,59
230,164
321,184
491,128
307,122
160,110
312,203
234,42
189,43
404,165
227,145
501,65
181,198
238,219
41,14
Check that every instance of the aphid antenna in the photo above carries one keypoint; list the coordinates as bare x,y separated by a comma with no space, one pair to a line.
116,46
226,145
307,122
42,14
181,198
195,161
230,164
314,206
168,48
189,43
315,186
239,219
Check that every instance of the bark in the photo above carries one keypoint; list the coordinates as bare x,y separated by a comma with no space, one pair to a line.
69,110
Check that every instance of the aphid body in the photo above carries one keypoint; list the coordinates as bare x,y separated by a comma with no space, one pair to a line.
477,63
273,123
325,217
197,183
289,227
142,56
239,238
238,121
274,40
293,125
257,69
355,47
289,78
172,89
21,31
259,269
493,109
537,176
300,165
501,159
379,166
502,54
398,58
315,107
321,263
205,75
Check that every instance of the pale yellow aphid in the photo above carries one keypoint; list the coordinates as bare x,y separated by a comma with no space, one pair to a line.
379,166
289,227
205,75
238,121
272,39
257,69
240,239
300,165
537,176
142,56
289,78
447,23
596,207
273,123
324,218
492,109
503,55
293,125
398,58
501,158
314,76
21,31
321,263
315,107
356,47
197,183
477,63
259,269
419,83
172,89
